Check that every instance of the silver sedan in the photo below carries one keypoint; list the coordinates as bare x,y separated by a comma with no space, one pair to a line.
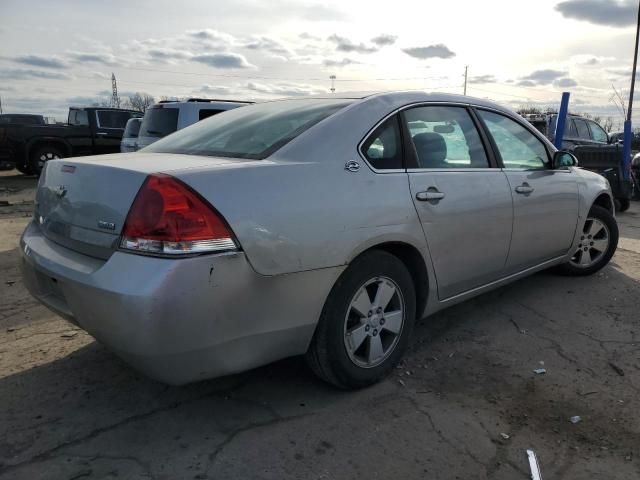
319,226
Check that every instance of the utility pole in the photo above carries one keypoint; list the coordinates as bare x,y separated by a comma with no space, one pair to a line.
0,105
333,85
466,75
627,124
115,100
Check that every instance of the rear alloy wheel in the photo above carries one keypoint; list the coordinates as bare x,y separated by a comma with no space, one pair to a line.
598,243
366,322
42,155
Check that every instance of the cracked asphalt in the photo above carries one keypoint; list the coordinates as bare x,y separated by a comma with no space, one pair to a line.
465,404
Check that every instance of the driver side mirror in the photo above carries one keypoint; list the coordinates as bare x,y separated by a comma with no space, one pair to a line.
563,159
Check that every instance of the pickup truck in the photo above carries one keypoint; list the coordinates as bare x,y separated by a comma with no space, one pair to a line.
88,131
594,149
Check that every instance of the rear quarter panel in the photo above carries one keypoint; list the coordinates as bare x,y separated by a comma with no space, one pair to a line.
301,210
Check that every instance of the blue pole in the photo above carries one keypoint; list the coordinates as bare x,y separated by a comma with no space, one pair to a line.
626,151
562,120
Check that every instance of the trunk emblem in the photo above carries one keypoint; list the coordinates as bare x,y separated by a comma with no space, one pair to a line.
352,166
60,191
106,225
68,168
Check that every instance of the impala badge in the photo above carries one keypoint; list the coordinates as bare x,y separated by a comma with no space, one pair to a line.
352,166
60,191
106,225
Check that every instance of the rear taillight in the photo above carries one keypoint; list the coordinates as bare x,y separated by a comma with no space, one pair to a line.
169,218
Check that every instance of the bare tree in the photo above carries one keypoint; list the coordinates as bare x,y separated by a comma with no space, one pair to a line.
608,124
140,101
618,100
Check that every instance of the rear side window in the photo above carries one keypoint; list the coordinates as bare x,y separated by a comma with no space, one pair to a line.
159,122
206,113
112,119
583,129
517,146
383,148
570,129
78,117
251,132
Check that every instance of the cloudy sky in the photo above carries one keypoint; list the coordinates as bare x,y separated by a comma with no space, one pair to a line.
56,54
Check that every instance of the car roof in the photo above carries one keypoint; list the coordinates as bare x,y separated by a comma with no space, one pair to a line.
400,98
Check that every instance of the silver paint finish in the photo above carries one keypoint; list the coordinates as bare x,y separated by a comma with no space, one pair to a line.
300,217
468,230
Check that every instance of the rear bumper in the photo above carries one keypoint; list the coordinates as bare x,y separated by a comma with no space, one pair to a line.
178,320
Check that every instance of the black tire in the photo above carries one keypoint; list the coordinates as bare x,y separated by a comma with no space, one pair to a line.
603,215
625,203
327,355
42,155
24,169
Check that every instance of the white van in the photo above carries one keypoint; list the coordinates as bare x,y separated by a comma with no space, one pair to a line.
167,116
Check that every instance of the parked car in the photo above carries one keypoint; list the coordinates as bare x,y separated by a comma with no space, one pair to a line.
129,141
89,131
21,119
169,116
594,149
618,137
320,226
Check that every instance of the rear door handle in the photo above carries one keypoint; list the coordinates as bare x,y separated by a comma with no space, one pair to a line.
524,189
102,133
430,194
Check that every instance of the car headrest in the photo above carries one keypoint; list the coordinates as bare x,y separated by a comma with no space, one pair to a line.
431,149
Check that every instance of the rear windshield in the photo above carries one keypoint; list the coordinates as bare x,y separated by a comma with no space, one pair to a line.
252,132
159,122
113,119
132,128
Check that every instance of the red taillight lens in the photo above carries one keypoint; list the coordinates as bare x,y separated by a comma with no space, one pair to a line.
168,217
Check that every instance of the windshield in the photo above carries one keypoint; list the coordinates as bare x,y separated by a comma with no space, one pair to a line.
159,122
132,128
252,132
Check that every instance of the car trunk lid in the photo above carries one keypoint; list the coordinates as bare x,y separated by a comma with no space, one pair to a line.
82,203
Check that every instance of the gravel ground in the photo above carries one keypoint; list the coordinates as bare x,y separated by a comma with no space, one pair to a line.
464,405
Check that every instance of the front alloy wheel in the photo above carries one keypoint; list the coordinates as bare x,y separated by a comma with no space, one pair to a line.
598,243
594,243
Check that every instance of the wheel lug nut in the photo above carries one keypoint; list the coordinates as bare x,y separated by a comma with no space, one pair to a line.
582,238
379,310
382,321
370,313
591,244
585,249
367,328
375,332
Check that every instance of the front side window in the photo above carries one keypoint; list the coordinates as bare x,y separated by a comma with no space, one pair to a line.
251,132
583,129
445,137
599,135
517,146
383,148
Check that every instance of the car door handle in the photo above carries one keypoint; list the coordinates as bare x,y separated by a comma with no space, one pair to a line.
101,133
431,194
524,189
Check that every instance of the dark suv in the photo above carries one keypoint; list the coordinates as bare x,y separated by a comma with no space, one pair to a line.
577,130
